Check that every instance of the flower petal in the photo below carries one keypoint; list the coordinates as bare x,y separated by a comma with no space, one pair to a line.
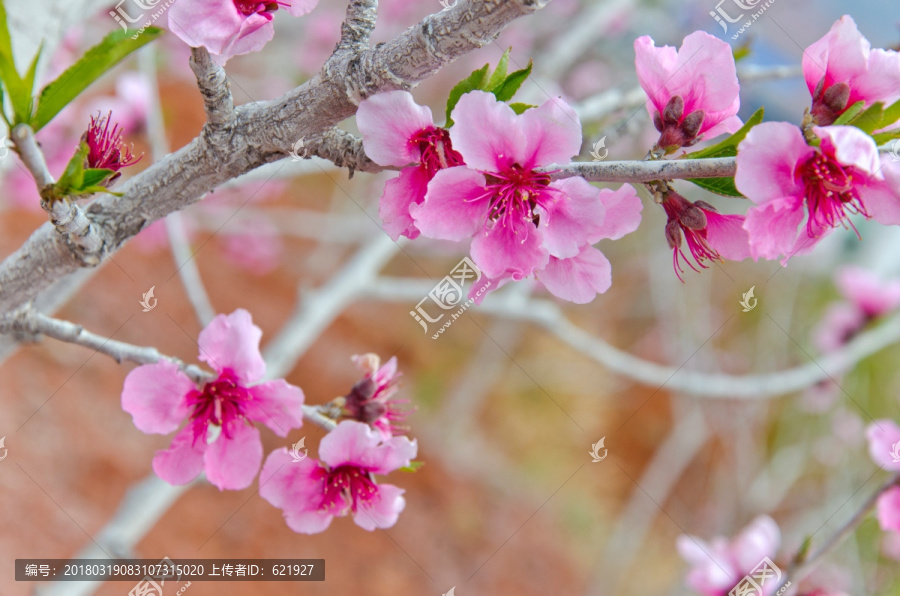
400,193
276,404
883,434
382,510
487,132
578,279
552,134
623,212
182,461
298,8
232,463
388,122
889,509
296,488
850,146
773,227
455,205
509,244
231,342
360,445
727,236
571,217
154,395
767,159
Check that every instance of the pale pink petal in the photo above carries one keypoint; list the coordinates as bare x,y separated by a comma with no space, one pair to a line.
883,434
773,227
843,51
578,279
388,122
653,66
390,455
623,212
182,461
231,342
867,291
729,125
571,217
276,404
347,442
882,197
296,488
727,236
218,26
889,509
232,463
552,132
509,244
851,147
487,132
400,193
154,395
455,205
767,159
382,511
256,31
760,538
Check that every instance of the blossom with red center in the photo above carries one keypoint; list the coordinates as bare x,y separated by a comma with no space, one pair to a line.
842,69
719,565
106,148
710,235
220,437
796,185
522,223
371,400
692,91
227,28
311,493
398,132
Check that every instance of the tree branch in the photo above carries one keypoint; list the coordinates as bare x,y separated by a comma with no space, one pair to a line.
645,171
358,26
213,83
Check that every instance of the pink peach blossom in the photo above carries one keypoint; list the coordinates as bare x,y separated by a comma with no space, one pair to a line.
792,182
311,493
692,91
371,400
888,509
873,296
219,437
883,434
718,566
227,28
842,69
521,222
398,132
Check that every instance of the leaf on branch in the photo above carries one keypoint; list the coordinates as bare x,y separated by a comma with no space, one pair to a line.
94,64
518,108
476,80
720,186
728,147
501,84
78,180
413,466
851,113
869,120
18,89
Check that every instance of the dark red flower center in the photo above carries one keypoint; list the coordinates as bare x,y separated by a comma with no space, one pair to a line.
831,195
369,402
688,221
218,403
264,7
436,149
515,193
346,487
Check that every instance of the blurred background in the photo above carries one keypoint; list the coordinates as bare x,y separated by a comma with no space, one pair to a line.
508,404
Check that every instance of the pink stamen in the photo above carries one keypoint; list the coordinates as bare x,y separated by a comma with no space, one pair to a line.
218,403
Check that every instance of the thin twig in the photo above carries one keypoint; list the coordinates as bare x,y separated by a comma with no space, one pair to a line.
213,84
358,25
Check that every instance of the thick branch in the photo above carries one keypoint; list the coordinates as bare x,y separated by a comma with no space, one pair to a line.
214,87
358,26
343,149
645,171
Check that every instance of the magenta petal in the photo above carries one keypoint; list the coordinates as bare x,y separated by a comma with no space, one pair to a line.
399,194
154,395
767,159
552,132
276,404
388,122
382,511
182,461
347,443
232,463
570,218
296,488
231,342
455,205
883,434
580,278
623,212
487,132
509,244
773,227
727,236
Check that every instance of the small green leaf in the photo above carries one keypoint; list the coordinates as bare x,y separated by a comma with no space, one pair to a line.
720,186
518,108
885,137
512,83
891,114
32,70
742,51
94,176
851,113
869,120
73,175
98,60
476,80
500,73
413,466
728,147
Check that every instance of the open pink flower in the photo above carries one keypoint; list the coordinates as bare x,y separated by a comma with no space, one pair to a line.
521,219
398,132
718,566
692,91
371,400
791,181
873,296
219,436
883,435
311,493
842,69
710,235
228,28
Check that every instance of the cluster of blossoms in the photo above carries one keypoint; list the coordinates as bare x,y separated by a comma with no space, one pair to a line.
219,437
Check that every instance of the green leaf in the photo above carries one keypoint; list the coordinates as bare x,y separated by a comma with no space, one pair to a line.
500,73
32,70
476,80
720,186
518,108
98,60
851,113
891,114
742,51
94,176
19,95
885,137
73,175
869,120
512,83
413,466
728,147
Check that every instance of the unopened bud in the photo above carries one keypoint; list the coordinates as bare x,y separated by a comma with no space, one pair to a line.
692,123
693,218
673,234
674,110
